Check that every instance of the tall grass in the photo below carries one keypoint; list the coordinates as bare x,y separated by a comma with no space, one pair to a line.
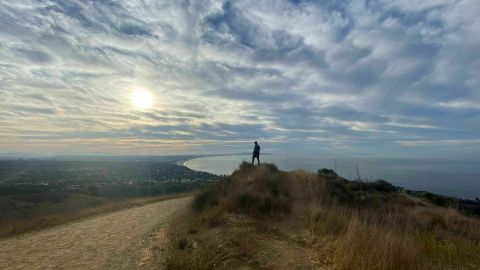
375,246
377,228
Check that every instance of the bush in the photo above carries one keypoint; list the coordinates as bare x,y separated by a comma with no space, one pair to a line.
327,173
246,201
439,199
209,218
381,185
378,185
271,167
205,199
245,166
260,190
266,193
339,190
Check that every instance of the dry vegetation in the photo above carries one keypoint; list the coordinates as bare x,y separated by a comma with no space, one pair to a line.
263,218
68,208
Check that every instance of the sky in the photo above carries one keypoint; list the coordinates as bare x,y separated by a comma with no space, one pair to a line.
373,78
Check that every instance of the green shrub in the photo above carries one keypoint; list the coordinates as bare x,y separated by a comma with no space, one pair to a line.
436,199
381,185
378,185
327,173
439,199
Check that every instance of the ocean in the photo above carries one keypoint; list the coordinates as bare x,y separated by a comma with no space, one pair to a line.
447,177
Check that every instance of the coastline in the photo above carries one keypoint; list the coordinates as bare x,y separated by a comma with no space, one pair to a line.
416,176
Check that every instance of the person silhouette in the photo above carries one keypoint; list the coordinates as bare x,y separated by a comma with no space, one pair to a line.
256,153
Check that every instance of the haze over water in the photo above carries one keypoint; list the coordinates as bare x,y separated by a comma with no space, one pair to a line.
448,177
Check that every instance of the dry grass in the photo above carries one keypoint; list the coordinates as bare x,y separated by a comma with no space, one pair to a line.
185,254
209,218
256,191
75,207
261,217
374,246
328,222
379,229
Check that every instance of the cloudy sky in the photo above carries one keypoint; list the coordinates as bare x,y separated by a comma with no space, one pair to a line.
352,78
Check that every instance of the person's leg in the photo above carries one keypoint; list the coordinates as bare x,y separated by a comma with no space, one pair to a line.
258,159
253,159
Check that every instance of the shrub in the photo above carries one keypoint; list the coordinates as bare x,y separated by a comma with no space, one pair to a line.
328,173
381,185
378,185
271,167
210,218
205,199
265,194
339,191
246,201
245,166
439,199
259,190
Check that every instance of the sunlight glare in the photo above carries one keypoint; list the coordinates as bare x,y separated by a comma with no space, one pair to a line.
141,99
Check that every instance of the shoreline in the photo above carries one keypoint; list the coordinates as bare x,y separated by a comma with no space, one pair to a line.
428,179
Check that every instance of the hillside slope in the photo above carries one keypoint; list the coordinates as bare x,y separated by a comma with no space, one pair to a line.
264,218
113,241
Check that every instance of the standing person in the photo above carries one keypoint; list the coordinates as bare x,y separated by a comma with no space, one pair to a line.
256,153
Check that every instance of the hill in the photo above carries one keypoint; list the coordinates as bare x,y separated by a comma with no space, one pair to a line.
264,218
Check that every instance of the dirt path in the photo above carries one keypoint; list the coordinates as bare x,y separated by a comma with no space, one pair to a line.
113,241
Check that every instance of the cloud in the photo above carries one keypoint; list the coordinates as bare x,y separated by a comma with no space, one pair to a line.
373,77
33,109
35,56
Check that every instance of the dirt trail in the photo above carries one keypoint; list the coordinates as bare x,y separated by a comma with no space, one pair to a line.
112,241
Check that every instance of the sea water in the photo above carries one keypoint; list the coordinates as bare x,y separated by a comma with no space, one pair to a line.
448,177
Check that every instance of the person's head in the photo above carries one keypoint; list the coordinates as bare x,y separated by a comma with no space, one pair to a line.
255,142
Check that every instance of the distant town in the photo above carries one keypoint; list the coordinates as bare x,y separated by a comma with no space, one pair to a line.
110,178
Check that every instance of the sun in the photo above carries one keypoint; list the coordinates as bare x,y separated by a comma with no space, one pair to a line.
141,99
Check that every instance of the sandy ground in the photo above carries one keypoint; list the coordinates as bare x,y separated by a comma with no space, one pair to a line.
116,240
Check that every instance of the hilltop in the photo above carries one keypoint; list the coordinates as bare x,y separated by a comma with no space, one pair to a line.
264,218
